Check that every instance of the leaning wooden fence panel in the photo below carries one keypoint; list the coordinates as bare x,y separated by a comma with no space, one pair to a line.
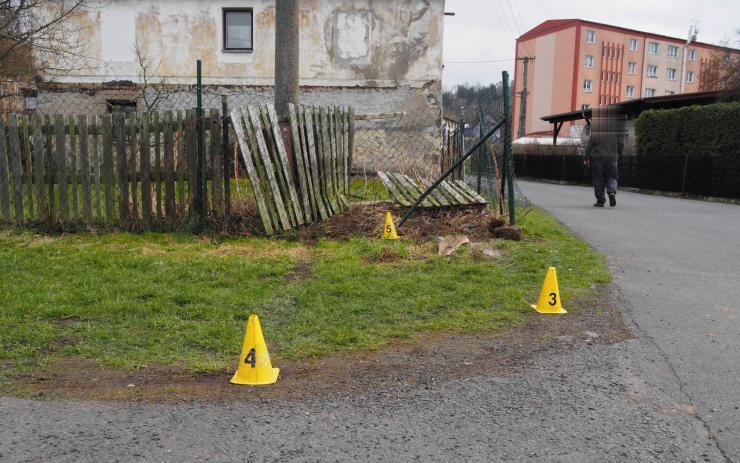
310,185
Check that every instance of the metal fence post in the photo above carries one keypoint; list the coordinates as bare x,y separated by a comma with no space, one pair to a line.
200,183
507,148
225,119
482,149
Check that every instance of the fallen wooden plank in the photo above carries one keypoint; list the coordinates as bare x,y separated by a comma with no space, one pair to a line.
441,199
456,184
471,192
393,190
419,190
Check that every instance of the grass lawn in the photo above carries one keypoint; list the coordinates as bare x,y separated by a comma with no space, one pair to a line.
126,300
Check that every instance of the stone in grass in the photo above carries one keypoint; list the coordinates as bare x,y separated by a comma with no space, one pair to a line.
508,233
496,222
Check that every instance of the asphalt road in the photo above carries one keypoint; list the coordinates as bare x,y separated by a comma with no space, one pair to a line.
669,394
677,263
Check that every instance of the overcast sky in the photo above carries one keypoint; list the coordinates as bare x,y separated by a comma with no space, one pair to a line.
485,30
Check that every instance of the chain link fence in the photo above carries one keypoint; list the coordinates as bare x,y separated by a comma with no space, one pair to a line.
403,130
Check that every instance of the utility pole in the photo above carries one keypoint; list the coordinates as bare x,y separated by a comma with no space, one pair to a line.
689,40
286,55
523,94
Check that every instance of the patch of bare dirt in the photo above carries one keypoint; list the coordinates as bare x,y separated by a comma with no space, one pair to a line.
367,220
302,271
412,363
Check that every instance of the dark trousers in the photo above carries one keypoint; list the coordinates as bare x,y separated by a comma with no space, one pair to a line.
604,175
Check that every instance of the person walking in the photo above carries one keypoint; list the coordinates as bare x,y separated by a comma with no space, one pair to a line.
603,149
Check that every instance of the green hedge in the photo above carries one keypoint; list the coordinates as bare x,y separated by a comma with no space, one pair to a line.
711,130
709,135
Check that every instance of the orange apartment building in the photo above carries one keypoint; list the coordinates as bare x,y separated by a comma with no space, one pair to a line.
579,64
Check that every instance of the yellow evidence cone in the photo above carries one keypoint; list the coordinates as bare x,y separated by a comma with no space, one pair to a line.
389,229
254,362
549,301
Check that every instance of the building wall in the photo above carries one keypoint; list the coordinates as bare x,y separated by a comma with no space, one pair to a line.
557,75
358,43
546,74
378,56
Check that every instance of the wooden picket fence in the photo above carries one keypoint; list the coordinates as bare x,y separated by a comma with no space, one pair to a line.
130,171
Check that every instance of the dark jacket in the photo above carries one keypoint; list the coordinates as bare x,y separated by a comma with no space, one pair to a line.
607,137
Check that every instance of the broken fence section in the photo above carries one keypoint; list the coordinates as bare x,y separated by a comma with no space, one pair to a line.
312,184
405,190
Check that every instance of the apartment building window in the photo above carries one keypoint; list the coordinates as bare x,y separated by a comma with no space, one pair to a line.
690,76
670,92
672,51
633,44
670,74
237,29
630,91
587,85
589,61
590,37
652,71
653,48
632,68
649,92
692,54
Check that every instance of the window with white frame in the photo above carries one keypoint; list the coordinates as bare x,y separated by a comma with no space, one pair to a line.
690,76
630,90
670,92
652,71
670,74
672,51
649,92
589,61
692,54
632,68
237,29
587,85
590,37
653,48
633,44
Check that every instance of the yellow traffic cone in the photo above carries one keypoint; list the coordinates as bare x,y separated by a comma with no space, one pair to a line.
389,229
549,301
254,362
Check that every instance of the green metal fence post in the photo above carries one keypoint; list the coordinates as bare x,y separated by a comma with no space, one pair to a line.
200,181
226,152
481,150
507,148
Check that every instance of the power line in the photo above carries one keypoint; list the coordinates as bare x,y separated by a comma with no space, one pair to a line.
481,61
